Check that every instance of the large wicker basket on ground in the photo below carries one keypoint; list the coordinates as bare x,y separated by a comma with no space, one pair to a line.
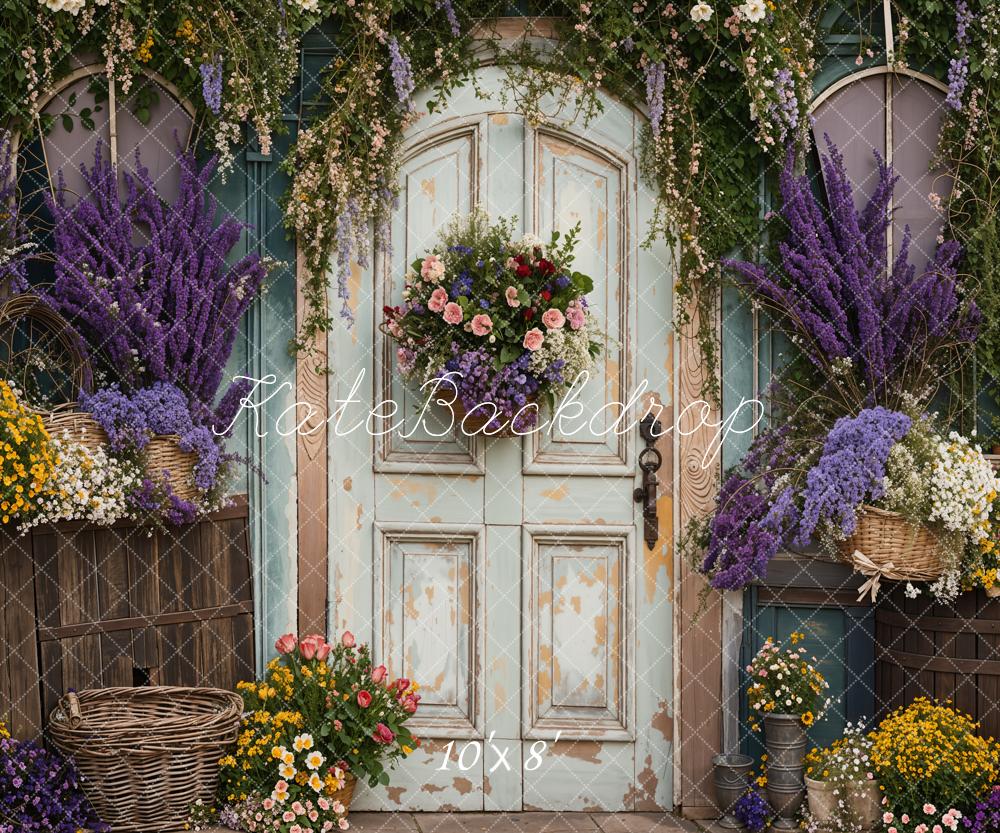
147,754
886,538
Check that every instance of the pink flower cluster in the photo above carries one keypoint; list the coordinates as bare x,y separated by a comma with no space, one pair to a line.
948,820
313,646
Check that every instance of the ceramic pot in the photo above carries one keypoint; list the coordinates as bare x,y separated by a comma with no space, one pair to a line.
731,782
863,799
785,740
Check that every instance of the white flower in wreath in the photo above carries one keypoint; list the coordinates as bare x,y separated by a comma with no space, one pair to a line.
753,11
701,12
72,6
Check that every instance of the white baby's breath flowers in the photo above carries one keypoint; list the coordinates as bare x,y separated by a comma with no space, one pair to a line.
86,485
963,487
701,13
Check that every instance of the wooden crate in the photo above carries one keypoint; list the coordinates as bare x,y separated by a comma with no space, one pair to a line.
947,652
85,607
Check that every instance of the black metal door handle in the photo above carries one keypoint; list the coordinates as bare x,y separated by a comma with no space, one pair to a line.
650,461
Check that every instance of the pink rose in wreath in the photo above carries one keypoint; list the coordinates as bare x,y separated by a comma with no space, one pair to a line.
481,324
437,300
364,698
432,269
453,313
553,319
533,339
576,316
510,293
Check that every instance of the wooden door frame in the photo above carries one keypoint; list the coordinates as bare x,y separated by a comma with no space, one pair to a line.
697,620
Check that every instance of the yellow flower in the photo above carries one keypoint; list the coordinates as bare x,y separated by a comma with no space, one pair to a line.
302,742
286,771
316,782
796,637
144,53
807,719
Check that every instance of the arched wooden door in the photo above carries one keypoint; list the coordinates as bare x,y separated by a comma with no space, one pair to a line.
509,577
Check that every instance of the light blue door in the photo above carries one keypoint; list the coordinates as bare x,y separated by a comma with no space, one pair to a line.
509,576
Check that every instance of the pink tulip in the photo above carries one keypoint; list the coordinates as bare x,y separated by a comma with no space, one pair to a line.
364,699
307,647
409,705
402,684
383,734
378,673
347,640
323,651
285,644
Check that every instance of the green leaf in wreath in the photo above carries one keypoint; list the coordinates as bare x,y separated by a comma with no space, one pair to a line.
509,353
583,282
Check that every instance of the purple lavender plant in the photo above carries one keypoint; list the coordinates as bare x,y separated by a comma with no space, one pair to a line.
40,791
836,299
14,245
147,283
851,470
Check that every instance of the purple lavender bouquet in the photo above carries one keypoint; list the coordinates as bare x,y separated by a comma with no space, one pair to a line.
132,420
40,791
875,335
147,284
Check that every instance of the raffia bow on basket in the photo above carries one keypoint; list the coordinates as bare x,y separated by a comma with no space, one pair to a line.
147,754
885,545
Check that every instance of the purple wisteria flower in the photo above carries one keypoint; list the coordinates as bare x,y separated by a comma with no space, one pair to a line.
40,791
147,283
851,470
958,78
448,7
14,245
655,80
402,74
211,84
838,301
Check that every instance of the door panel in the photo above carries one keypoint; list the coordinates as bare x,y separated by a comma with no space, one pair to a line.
506,575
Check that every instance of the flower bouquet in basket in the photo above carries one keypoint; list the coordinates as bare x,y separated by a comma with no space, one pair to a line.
321,718
493,325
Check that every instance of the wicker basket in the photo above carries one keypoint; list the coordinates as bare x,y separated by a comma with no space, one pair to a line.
887,537
79,425
164,454
147,754
346,792
479,421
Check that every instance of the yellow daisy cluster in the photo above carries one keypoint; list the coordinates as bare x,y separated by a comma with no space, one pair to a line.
260,732
28,458
933,749
3,730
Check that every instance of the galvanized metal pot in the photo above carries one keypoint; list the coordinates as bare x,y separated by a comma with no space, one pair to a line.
731,773
785,739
